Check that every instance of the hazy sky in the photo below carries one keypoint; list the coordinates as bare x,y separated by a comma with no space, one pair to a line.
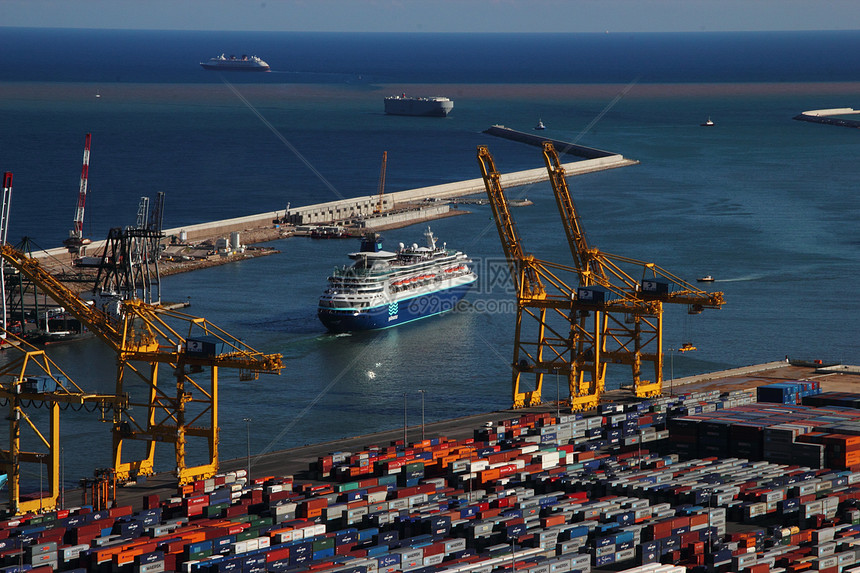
437,15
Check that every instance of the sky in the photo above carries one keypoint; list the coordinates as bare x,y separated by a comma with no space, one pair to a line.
470,16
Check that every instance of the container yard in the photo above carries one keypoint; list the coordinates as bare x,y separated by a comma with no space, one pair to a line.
760,476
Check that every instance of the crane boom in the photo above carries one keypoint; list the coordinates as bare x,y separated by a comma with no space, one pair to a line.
527,282
97,321
381,182
585,258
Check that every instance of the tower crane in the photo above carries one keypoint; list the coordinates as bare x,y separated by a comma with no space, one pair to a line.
76,238
636,337
553,331
378,208
144,337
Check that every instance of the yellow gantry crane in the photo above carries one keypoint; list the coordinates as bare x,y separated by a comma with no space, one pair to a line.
144,337
28,383
575,331
637,336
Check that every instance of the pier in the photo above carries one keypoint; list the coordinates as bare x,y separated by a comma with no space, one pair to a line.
565,147
828,116
399,208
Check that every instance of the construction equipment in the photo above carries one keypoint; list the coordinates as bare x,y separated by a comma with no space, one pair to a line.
577,330
637,337
76,239
378,208
552,317
143,339
33,382
145,336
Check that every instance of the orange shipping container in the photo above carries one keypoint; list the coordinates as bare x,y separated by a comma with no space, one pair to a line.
552,521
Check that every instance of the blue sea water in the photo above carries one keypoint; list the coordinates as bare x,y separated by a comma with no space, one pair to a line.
766,204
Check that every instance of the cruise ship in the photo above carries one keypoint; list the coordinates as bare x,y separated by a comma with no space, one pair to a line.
436,106
382,289
232,63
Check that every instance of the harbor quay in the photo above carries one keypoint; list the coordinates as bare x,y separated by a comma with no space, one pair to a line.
512,490
296,461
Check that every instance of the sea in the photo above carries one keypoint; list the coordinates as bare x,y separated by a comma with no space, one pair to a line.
765,204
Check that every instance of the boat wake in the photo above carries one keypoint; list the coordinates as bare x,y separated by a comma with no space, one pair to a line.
753,277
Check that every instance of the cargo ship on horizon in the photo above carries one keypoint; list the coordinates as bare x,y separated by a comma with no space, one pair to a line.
382,289
435,106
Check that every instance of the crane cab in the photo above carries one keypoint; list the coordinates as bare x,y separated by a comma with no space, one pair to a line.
651,287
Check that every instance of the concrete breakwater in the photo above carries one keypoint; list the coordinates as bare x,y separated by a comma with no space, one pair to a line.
829,116
362,208
565,147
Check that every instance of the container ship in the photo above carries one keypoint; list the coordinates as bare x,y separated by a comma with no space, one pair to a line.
382,289
234,64
436,106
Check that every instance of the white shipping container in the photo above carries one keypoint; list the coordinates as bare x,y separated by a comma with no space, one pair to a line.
811,508
823,535
846,558
155,567
239,547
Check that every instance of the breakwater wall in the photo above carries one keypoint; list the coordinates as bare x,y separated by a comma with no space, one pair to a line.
828,116
537,140
363,207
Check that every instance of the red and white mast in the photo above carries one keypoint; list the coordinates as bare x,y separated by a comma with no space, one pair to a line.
76,235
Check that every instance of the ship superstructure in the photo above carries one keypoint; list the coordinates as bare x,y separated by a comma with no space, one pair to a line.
382,288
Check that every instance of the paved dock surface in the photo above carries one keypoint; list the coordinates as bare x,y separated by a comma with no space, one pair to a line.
296,461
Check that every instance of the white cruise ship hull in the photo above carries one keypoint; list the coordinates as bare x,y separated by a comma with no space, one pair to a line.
395,312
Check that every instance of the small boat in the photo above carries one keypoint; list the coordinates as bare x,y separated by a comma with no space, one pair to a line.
708,123
540,126
705,279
